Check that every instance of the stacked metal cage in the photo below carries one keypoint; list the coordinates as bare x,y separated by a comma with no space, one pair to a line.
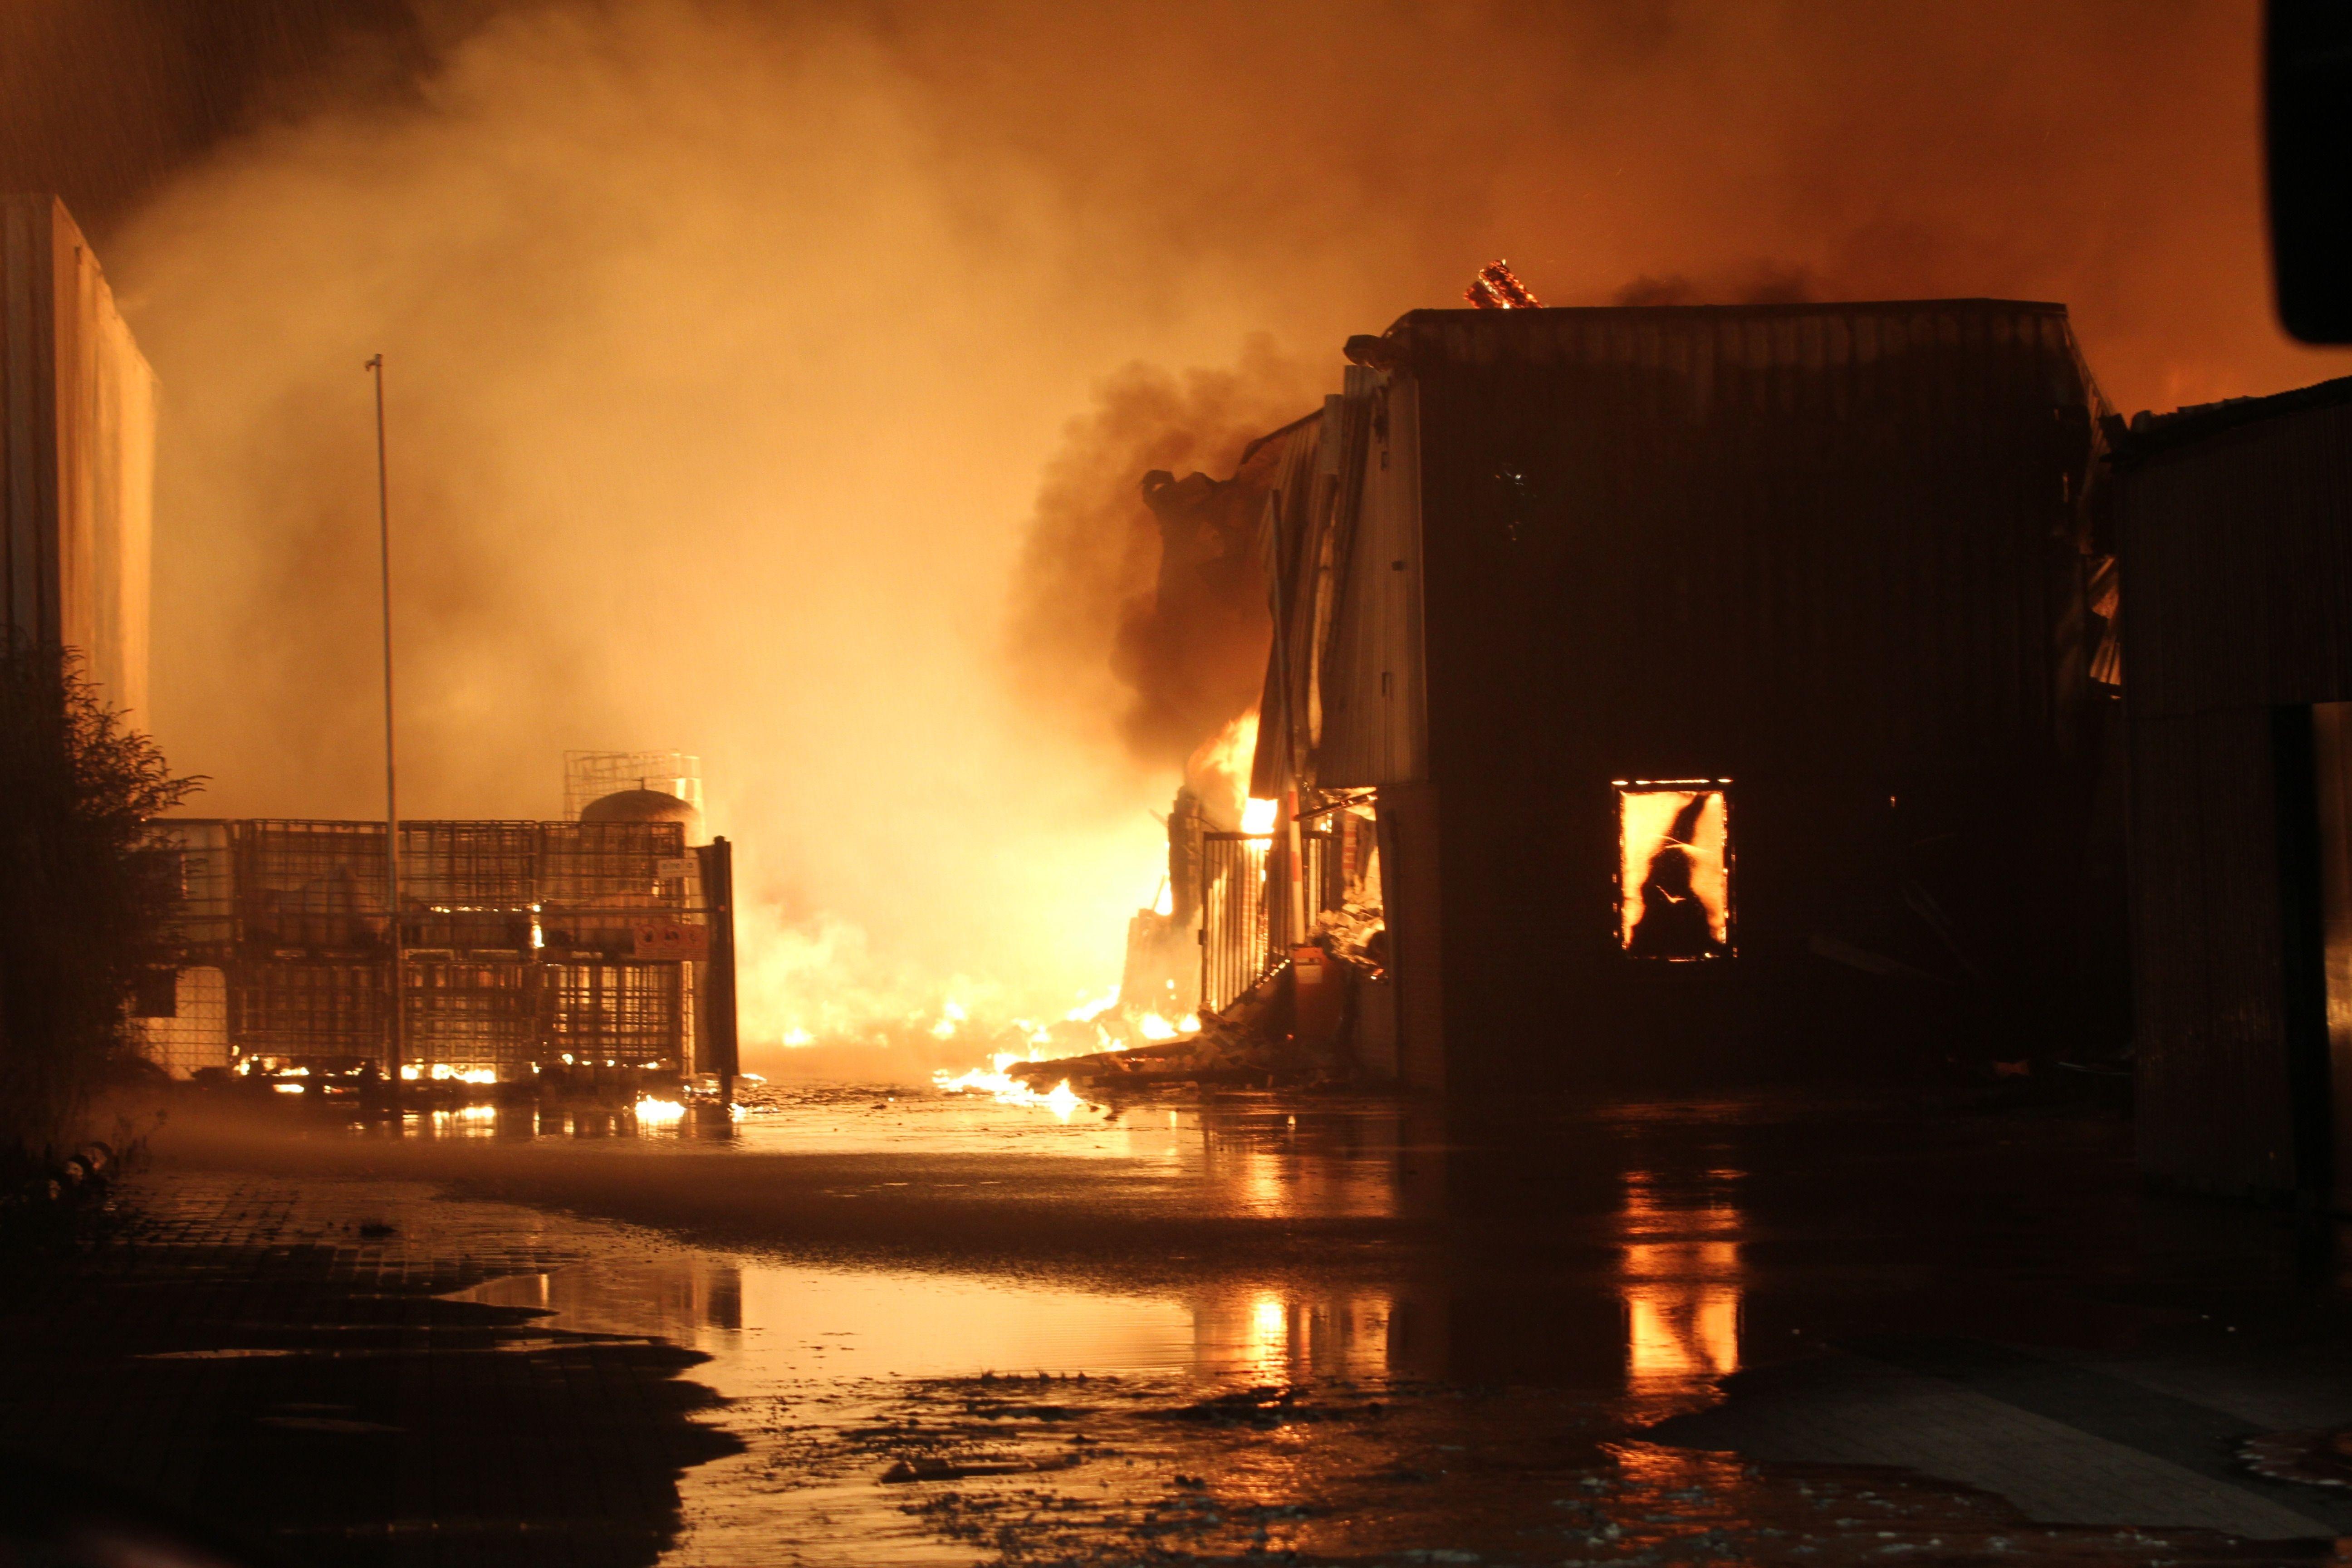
518,942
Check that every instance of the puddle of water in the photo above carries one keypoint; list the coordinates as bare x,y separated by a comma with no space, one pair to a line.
1211,1136
1358,1161
767,1326
834,1374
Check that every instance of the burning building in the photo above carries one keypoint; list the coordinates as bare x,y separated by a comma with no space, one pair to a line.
2233,522
1657,693
76,454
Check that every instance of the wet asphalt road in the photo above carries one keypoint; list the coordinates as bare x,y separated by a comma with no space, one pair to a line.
934,1329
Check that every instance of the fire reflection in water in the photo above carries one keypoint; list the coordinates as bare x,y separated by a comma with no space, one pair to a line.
767,1324
1680,1280
1271,1338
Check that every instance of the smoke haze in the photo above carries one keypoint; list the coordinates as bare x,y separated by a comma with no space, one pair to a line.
774,383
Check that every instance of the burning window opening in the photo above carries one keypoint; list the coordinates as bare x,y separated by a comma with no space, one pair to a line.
1675,860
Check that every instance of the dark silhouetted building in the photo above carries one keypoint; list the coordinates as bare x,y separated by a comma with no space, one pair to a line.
2235,529
1697,692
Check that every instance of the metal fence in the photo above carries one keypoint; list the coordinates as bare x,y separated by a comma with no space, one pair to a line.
1239,908
1233,915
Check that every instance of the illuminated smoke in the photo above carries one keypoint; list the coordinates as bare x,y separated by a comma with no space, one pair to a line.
731,346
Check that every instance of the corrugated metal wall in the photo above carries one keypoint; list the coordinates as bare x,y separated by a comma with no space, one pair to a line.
1374,692
1833,552
2236,548
77,452
2238,567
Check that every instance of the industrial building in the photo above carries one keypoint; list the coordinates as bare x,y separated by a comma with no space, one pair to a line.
1694,692
2235,529
77,455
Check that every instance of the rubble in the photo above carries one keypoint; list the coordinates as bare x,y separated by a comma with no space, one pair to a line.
1249,1042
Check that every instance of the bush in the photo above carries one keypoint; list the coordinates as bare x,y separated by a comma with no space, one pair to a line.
84,899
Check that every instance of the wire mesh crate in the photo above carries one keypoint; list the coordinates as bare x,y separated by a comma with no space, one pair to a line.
471,1017
197,850
609,863
286,1008
624,1013
194,1034
310,885
521,940
469,865
590,776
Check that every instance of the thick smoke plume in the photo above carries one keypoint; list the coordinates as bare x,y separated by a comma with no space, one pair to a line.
732,345
1161,617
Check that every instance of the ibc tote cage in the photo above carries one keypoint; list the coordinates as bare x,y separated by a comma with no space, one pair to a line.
518,940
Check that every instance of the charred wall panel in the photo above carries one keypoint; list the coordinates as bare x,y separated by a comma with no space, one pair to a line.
2236,545
2239,557
1829,552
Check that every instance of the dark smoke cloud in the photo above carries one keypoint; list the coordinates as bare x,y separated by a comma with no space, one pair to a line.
1150,626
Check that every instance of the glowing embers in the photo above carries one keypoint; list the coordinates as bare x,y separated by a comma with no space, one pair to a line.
1673,871
1497,288
445,1072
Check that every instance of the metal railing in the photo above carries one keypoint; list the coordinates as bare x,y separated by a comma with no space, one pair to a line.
1234,946
1237,945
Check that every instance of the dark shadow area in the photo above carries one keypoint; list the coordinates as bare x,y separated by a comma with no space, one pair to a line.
317,1404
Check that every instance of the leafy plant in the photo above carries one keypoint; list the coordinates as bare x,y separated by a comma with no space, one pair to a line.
86,898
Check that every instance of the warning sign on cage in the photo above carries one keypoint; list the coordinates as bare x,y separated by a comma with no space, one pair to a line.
672,940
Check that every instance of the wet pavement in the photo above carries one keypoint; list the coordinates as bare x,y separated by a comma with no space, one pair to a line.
887,1326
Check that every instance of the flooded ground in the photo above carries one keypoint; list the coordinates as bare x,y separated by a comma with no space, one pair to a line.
939,1330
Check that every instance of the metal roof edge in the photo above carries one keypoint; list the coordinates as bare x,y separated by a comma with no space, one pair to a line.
1276,434
1672,312
2147,434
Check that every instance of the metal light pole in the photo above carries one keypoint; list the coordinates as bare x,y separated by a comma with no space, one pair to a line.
397,1041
